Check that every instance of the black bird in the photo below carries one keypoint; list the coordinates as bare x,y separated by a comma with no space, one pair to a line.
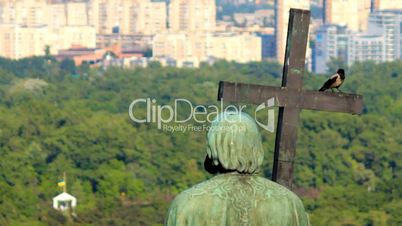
335,81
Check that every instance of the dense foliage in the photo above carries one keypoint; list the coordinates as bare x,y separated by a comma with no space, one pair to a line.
55,118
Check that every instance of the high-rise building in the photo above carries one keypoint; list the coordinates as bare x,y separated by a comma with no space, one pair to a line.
70,20
242,48
234,2
18,41
176,45
351,13
128,16
338,42
388,23
199,47
267,46
57,15
84,36
192,15
386,4
77,13
365,47
112,16
27,26
282,8
67,14
150,17
382,42
331,42
24,12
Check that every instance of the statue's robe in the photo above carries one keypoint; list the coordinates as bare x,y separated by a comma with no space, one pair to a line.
233,199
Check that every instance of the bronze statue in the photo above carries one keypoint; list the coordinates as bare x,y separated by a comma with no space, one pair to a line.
237,195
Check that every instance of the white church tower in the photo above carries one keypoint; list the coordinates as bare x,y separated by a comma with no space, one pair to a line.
64,201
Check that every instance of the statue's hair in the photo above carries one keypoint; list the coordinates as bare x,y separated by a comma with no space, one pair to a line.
234,143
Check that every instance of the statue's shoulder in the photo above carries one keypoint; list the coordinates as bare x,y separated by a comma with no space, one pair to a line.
225,186
246,195
205,188
197,198
216,187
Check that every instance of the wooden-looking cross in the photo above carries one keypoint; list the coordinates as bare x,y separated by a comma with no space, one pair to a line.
290,98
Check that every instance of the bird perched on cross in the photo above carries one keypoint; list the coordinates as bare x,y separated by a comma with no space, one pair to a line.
335,81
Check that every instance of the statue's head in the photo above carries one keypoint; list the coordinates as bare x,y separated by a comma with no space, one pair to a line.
234,144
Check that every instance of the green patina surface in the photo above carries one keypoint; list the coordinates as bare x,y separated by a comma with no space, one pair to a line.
239,197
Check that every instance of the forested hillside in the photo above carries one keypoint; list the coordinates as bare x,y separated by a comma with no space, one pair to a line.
55,118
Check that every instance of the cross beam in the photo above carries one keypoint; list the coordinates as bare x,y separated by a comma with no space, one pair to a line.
305,99
290,97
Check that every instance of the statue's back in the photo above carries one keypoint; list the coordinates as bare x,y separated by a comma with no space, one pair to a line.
236,196
235,199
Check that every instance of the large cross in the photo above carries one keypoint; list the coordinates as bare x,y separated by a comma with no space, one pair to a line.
290,97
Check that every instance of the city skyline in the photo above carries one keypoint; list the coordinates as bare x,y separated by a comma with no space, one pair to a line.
189,32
